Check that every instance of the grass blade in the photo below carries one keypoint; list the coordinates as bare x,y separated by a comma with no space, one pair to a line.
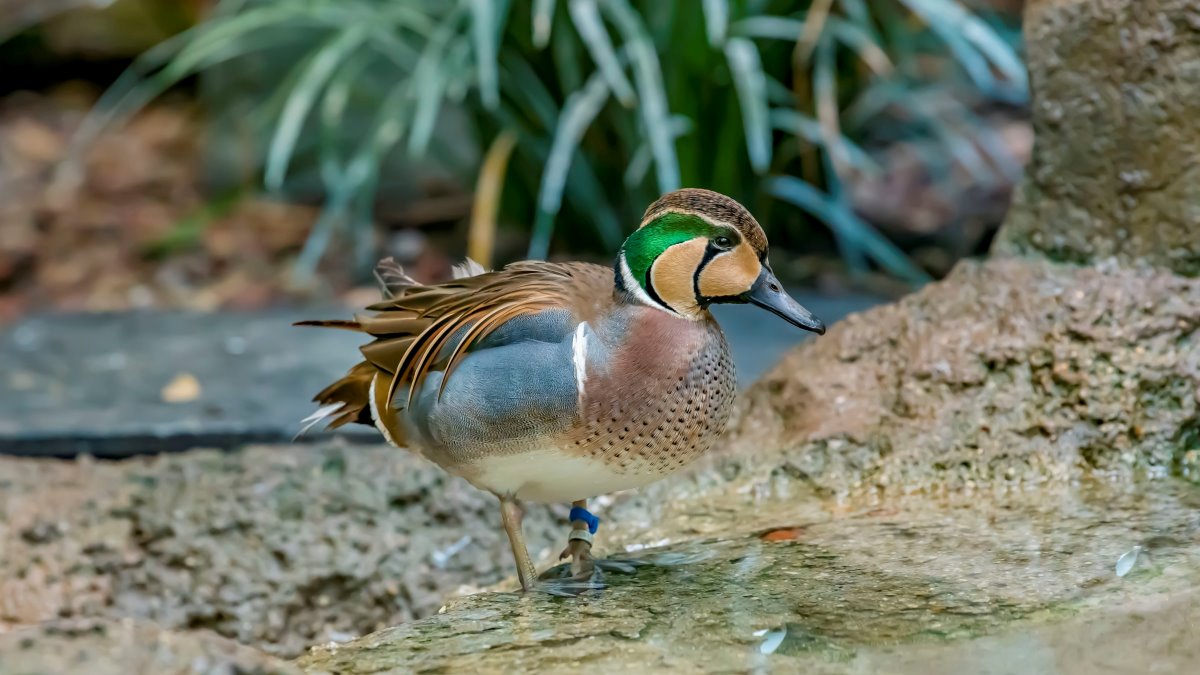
432,87
362,171
362,223
866,46
429,82
577,115
983,138
216,41
872,101
814,28
961,146
948,17
586,194
543,21
481,233
845,223
316,71
771,27
333,110
779,93
458,60
825,91
790,121
639,163
566,55
483,35
526,88
862,44
751,86
857,12
716,21
585,14
656,115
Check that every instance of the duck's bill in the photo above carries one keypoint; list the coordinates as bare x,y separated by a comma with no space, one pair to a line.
768,293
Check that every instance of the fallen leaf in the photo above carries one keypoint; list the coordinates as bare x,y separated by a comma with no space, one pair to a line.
183,388
783,534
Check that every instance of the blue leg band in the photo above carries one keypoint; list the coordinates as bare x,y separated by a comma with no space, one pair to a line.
578,513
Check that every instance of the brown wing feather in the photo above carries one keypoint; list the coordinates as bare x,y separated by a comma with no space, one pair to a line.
479,305
414,326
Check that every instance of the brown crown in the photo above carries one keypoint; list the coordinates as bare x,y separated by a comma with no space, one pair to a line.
714,206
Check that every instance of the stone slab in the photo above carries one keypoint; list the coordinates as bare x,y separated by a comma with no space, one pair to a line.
127,383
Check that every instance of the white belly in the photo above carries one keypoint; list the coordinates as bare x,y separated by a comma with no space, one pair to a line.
552,476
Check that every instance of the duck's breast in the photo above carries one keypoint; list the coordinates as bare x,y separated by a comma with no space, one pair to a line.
662,396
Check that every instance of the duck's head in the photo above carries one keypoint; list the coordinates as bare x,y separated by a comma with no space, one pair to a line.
698,247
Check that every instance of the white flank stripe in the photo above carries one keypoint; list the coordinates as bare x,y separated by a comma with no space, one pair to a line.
579,357
375,414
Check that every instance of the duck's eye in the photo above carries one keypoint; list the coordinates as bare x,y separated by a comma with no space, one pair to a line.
723,242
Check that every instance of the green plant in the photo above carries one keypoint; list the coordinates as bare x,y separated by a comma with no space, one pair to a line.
611,102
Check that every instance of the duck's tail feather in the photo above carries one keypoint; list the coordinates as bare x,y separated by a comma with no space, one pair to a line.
467,268
323,413
392,278
348,400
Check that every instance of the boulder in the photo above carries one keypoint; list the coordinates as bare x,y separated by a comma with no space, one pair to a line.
108,647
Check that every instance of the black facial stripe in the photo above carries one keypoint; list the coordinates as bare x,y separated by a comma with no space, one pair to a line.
710,252
649,286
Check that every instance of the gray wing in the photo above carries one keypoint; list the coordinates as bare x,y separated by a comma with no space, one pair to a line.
515,388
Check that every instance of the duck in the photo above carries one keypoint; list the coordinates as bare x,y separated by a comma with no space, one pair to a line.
558,382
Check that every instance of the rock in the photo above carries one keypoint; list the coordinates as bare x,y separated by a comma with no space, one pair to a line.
1010,371
107,647
1116,89
985,582
279,547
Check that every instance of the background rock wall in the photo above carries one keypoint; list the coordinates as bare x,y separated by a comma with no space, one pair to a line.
1114,171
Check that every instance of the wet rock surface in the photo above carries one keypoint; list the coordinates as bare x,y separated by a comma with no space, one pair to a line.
106,647
992,582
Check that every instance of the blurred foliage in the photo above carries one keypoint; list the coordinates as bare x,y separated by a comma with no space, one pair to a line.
97,28
609,102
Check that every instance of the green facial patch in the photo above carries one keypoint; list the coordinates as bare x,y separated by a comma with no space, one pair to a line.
648,242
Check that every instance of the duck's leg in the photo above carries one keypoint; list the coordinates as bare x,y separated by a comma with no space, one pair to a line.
511,514
579,541
579,545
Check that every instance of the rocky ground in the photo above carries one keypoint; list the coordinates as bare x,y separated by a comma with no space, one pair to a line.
279,547
107,647
1011,374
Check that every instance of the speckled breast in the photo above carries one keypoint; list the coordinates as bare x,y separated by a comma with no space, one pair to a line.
666,401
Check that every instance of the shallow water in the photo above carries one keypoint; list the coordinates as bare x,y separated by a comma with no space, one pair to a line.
975,583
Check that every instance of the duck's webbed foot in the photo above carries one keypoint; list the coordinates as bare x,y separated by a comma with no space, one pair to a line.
584,566
555,581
